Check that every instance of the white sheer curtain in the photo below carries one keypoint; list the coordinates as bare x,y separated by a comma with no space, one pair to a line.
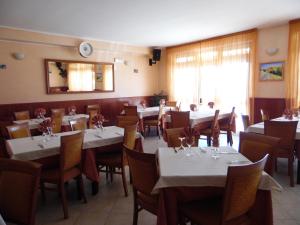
81,77
221,71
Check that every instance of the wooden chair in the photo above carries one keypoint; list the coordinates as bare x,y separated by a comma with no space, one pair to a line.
123,121
171,103
193,107
238,198
59,111
144,173
3,129
264,115
214,128
18,131
93,107
227,126
116,159
256,146
211,105
23,115
173,135
56,120
130,110
19,182
148,123
69,168
246,121
78,124
180,119
92,114
286,131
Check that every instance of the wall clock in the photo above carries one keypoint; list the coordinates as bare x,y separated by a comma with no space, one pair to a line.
85,49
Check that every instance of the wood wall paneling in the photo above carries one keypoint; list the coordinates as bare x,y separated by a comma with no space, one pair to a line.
275,107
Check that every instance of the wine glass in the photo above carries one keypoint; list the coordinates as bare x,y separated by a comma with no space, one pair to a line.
181,143
215,154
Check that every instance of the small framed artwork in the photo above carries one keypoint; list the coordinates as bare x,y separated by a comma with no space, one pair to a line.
272,71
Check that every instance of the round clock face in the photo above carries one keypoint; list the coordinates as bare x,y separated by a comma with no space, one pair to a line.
85,49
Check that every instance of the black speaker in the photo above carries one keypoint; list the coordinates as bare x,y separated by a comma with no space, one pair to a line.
156,54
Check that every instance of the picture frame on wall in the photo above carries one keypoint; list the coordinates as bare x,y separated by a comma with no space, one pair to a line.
271,71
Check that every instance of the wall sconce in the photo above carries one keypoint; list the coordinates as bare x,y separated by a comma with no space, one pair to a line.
18,55
272,51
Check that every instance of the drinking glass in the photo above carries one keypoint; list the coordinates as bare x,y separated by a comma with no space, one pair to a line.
215,154
181,143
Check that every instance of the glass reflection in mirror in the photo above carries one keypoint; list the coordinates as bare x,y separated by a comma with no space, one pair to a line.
69,76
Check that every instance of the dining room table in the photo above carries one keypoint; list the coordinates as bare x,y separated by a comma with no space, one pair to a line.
45,149
259,129
34,123
198,173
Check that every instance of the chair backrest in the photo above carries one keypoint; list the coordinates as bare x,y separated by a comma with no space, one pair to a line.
173,135
264,115
130,136
130,110
215,123
256,146
78,124
143,169
211,105
171,103
240,190
92,114
285,130
180,119
3,129
19,182
56,120
70,151
93,107
123,121
18,131
59,111
246,121
161,113
193,107
23,115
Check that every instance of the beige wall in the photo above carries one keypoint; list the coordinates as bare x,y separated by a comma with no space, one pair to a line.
276,37
24,80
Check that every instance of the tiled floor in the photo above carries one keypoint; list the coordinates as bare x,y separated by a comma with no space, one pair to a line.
110,207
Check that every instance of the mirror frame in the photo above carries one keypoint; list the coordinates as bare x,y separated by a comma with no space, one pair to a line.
75,61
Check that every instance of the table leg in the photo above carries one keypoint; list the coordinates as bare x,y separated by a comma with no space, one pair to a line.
95,187
298,171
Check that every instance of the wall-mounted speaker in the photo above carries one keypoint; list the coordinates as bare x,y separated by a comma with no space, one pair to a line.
156,54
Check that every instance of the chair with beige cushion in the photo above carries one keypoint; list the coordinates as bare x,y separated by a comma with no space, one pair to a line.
22,115
264,115
69,168
143,169
59,111
238,198
211,132
227,126
18,131
123,121
92,114
286,131
56,120
171,103
180,119
93,107
130,110
78,124
116,159
19,181
256,146
173,135
156,122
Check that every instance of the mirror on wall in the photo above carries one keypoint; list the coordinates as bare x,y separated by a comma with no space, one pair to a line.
64,76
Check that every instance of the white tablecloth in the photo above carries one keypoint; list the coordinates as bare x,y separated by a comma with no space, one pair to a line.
34,123
36,147
151,111
259,127
196,167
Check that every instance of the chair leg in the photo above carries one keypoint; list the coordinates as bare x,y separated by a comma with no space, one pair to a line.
111,174
81,188
63,199
124,181
275,162
79,193
229,137
135,212
291,169
42,186
208,141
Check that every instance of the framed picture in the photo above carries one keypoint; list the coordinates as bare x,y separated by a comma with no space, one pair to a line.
272,71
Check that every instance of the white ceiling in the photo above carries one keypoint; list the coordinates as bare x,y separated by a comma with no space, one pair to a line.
146,22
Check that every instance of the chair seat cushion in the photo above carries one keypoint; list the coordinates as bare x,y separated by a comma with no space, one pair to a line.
150,203
53,175
110,159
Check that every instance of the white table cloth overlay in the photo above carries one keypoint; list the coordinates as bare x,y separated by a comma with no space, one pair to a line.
34,123
259,127
198,167
151,111
36,147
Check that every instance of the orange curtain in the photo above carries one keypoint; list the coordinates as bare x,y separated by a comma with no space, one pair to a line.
293,66
211,70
